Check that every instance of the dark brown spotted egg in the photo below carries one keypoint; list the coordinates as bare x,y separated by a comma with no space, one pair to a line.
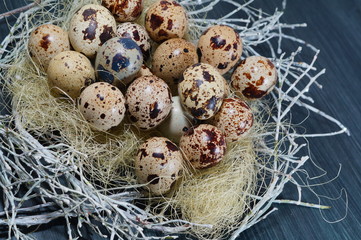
45,42
124,10
254,77
158,163
202,90
69,72
166,19
149,102
203,146
137,33
234,119
90,27
170,60
102,105
118,60
221,47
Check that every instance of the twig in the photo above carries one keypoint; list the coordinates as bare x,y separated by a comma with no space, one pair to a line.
20,9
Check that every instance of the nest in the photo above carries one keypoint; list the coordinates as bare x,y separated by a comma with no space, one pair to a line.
53,159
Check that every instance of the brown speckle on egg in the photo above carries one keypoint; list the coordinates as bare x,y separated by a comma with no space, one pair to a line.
90,27
202,90
166,19
45,42
221,47
118,60
137,33
254,77
104,107
149,101
234,119
124,10
203,146
159,163
183,55
68,73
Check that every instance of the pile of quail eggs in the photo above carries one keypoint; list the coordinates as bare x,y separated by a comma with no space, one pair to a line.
100,63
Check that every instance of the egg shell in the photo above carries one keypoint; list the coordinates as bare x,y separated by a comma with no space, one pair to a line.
117,60
90,27
234,119
166,19
70,72
227,89
137,33
144,71
124,10
159,163
149,102
171,59
203,146
202,90
221,47
45,42
177,123
254,77
102,105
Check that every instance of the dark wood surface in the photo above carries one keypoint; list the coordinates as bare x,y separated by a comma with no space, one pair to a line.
334,26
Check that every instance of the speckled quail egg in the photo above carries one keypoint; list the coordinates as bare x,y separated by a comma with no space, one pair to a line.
102,105
117,60
254,77
45,42
69,72
221,47
159,163
166,19
137,33
203,146
149,101
90,27
234,119
177,123
227,89
124,10
170,60
202,90
144,71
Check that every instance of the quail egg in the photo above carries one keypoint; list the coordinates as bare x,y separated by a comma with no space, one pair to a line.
124,10
221,47
203,146
254,77
234,119
170,60
166,19
45,42
102,105
202,90
177,123
90,27
117,60
227,89
149,102
137,33
69,72
144,71
159,163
